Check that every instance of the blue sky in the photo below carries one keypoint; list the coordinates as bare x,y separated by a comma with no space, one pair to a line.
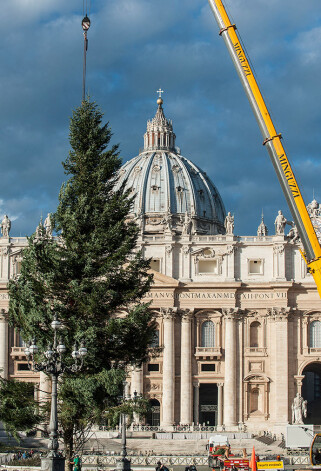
135,47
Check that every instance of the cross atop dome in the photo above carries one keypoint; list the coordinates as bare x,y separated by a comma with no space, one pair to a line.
160,99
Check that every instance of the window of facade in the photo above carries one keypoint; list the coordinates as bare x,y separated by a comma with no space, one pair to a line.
208,266
155,264
208,334
254,400
155,342
315,334
208,367
255,329
153,367
255,267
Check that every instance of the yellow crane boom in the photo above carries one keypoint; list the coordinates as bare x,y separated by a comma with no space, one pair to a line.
272,141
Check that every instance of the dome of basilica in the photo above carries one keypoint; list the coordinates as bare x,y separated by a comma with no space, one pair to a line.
171,192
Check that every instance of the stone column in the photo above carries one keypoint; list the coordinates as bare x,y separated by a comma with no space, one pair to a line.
186,367
281,365
219,404
136,383
4,353
196,387
168,367
230,368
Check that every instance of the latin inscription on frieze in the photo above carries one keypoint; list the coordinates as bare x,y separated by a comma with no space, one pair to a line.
215,295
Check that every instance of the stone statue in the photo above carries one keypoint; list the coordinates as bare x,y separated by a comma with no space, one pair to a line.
314,208
299,409
5,226
294,234
186,224
229,224
167,221
39,231
280,223
48,226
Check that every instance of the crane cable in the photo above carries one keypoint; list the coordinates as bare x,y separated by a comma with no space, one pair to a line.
85,26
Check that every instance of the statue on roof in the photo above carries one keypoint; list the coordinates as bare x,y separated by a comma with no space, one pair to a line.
48,226
229,224
293,234
5,226
186,224
280,223
167,221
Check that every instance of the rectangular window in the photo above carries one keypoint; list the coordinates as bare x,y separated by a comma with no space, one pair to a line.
153,367
155,264
255,267
23,367
208,367
208,266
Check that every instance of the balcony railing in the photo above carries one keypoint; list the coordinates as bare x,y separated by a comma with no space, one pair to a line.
18,351
208,351
256,350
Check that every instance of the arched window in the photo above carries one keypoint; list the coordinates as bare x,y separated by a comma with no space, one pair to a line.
315,334
255,329
208,334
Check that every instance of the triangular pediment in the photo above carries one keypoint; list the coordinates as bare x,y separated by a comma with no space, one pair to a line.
163,280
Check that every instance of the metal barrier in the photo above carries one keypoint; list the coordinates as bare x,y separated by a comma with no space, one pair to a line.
109,460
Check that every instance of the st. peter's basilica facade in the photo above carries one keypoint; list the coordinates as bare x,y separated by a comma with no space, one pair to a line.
239,317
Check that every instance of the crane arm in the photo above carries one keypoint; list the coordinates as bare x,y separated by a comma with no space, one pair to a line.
272,141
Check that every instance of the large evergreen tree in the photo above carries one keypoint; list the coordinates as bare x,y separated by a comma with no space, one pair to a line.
90,275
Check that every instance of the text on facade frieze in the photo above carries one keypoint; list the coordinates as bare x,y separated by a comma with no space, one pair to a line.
222,295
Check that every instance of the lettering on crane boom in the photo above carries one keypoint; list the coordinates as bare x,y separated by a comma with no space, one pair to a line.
242,59
289,176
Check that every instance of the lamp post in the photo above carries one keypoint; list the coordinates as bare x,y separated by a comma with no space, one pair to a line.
54,366
124,463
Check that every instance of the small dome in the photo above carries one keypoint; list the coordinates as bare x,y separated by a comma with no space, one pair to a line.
171,193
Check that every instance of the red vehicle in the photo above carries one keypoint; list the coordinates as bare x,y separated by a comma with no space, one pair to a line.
233,464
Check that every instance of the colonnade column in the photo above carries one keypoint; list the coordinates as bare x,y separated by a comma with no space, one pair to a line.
168,367
230,368
186,367
4,353
220,404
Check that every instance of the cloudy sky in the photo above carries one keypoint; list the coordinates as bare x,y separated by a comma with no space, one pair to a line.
135,47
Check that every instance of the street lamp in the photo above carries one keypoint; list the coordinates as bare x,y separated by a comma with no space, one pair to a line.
124,463
54,366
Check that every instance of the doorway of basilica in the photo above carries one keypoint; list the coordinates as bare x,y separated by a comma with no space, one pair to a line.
153,417
208,404
311,391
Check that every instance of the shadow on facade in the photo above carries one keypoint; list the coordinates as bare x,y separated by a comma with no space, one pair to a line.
311,391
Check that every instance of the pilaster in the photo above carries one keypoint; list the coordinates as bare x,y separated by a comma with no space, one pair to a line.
186,366
230,367
168,315
4,353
